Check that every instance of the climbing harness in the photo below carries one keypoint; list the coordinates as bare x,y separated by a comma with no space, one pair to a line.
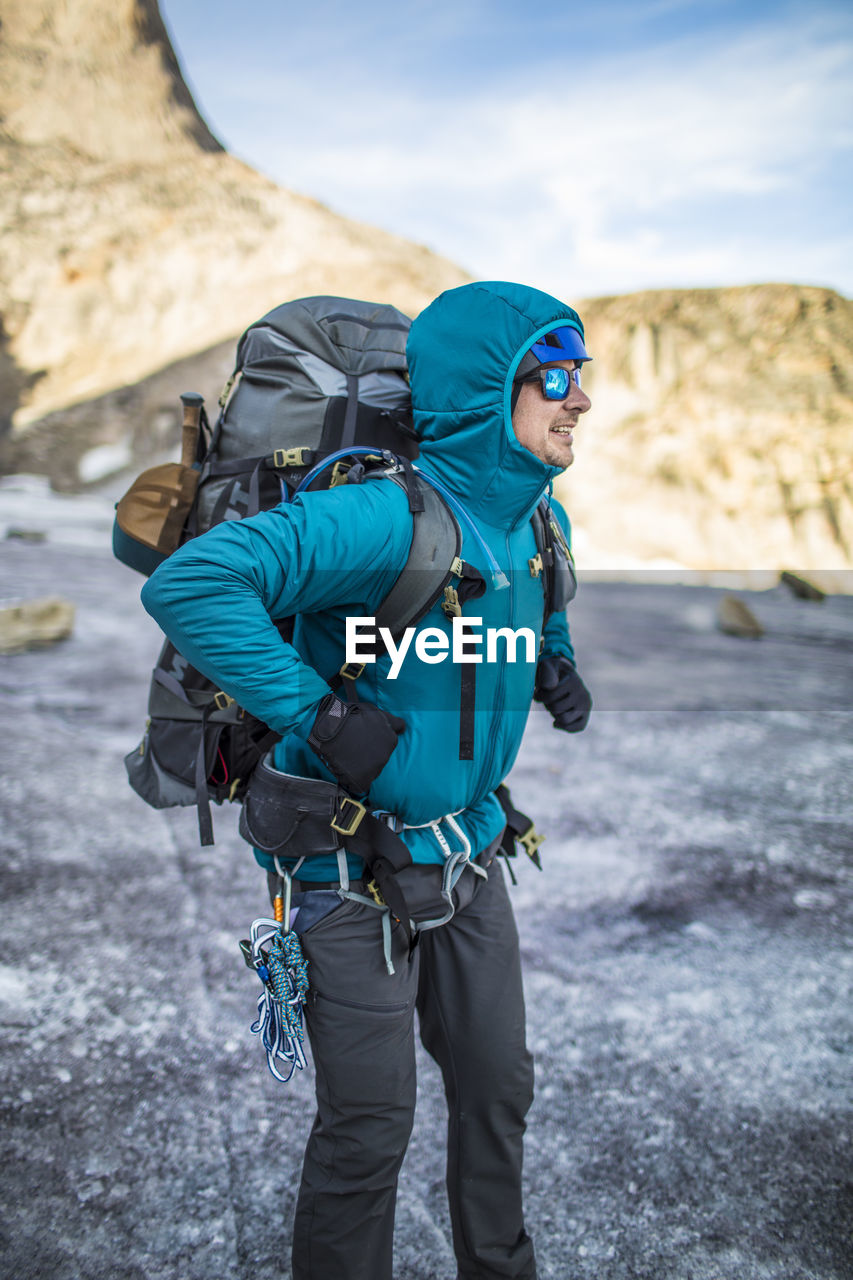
455,860
274,951
273,948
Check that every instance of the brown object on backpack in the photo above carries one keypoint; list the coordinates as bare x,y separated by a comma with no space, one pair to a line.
154,510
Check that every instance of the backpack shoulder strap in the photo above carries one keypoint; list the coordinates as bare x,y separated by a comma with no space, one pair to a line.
434,551
553,560
543,561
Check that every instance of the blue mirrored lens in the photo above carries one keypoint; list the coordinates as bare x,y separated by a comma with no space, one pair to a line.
555,382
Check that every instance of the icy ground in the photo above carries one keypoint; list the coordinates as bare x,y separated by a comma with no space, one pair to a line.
687,955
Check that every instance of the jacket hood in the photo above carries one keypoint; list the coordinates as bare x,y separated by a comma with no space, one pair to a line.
463,351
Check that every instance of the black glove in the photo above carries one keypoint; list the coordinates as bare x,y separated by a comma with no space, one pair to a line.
354,740
562,691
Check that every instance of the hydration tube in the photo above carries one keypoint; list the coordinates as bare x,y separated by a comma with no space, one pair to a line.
327,461
499,579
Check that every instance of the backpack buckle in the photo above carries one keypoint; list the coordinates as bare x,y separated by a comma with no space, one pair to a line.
352,670
450,604
339,473
340,822
289,457
222,700
530,843
535,565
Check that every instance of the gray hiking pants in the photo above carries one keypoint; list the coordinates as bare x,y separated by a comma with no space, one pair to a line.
465,981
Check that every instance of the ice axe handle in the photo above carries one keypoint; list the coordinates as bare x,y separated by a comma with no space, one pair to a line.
192,403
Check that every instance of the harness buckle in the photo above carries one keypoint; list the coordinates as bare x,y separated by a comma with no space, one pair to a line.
222,700
530,843
289,457
339,473
352,670
347,827
535,565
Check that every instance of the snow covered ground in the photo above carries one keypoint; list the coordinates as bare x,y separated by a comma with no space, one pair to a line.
687,956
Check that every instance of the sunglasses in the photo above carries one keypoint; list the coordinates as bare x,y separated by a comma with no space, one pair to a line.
556,383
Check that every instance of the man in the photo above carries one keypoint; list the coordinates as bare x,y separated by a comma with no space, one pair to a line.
496,392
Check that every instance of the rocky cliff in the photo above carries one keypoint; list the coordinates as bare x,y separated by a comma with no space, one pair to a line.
131,238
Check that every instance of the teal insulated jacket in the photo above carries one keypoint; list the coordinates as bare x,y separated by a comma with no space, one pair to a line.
330,554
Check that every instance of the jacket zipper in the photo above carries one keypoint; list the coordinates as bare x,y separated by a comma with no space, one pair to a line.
496,717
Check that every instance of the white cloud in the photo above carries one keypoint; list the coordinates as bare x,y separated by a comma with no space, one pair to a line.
661,168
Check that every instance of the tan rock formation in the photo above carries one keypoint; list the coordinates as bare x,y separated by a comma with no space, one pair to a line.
721,433
131,238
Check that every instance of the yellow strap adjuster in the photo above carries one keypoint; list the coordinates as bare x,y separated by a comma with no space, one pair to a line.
450,604
222,700
530,843
340,823
352,670
375,893
289,457
226,390
561,538
339,473
535,565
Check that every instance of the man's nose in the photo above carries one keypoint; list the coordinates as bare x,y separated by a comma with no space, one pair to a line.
577,399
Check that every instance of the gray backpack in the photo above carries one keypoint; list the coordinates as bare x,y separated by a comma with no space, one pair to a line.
319,397
312,377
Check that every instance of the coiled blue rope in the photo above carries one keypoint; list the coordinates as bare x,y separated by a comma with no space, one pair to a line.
283,971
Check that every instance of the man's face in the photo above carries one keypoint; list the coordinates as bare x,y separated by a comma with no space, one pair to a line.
546,427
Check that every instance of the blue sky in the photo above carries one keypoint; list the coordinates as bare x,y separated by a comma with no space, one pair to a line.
596,149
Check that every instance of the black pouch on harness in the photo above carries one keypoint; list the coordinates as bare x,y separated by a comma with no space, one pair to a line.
287,816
